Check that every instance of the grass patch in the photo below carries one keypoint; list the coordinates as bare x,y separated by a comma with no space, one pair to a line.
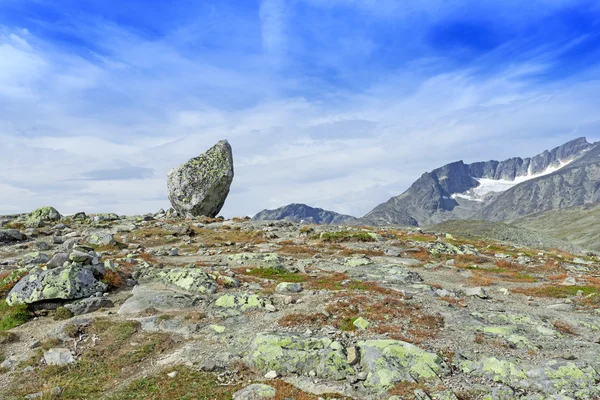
118,354
345,236
276,274
188,384
564,328
299,319
557,291
12,316
388,314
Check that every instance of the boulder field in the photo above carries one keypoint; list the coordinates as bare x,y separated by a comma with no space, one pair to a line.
102,306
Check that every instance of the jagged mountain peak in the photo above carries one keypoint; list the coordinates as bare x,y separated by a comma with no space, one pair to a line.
457,190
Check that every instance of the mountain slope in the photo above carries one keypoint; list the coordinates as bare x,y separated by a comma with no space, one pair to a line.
575,184
303,213
577,225
458,190
503,232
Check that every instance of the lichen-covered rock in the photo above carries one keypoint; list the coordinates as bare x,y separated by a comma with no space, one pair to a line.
440,247
255,258
80,257
296,355
392,361
36,258
37,217
288,287
64,283
242,302
10,235
188,279
58,260
201,185
555,377
101,239
256,391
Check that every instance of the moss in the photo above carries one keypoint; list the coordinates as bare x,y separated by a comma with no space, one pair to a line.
12,316
346,236
277,274
62,313
558,291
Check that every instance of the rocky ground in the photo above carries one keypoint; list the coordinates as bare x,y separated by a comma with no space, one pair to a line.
155,307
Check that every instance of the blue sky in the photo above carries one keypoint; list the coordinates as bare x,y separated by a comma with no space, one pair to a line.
335,103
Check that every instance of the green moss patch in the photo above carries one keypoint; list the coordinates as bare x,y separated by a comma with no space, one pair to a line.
12,316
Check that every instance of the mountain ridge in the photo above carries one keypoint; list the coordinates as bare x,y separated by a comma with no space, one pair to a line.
297,212
450,192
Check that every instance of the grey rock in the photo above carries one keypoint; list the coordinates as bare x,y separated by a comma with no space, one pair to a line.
161,299
256,391
36,258
101,238
476,292
64,283
201,185
80,257
58,356
58,260
11,235
288,287
89,305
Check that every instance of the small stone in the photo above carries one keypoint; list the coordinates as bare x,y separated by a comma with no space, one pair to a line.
352,355
476,292
217,328
271,375
287,287
270,307
569,281
256,391
361,323
172,374
80,257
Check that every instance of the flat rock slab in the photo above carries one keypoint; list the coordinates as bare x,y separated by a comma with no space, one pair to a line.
58,356
255,391
162,299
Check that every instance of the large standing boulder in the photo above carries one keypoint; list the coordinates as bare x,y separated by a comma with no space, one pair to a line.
37,217
63,283
201,185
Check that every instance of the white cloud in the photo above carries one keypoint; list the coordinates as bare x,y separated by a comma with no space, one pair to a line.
149,107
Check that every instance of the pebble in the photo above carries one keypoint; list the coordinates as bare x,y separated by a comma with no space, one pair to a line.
271,375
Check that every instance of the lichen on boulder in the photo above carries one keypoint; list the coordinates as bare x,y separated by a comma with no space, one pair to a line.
189,279
392,361
287,354
64,283
201,185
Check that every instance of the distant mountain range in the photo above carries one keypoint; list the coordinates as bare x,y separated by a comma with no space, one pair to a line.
497,190
304,213
520,190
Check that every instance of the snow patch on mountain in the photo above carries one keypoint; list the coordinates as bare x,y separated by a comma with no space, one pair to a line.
487,186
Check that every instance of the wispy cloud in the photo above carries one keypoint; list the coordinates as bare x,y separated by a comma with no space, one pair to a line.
338,103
